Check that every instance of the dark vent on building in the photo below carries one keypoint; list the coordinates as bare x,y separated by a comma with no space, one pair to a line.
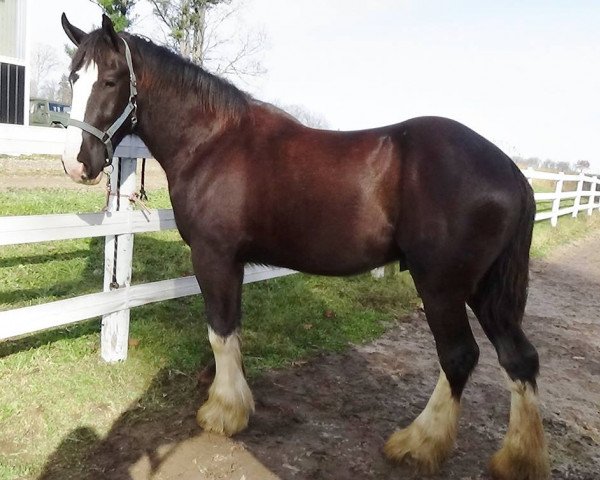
12,93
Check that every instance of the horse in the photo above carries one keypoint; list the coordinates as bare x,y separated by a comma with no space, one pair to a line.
250,184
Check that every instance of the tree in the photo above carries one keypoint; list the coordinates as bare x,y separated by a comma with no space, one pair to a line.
305,116
186,24
43,60
532,162
63,93
197,30
582,165
200,30
549,164
119,11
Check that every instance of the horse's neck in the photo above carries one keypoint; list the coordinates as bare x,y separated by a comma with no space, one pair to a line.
175,126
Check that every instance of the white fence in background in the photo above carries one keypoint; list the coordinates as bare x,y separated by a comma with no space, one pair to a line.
121,222
591,194
28,140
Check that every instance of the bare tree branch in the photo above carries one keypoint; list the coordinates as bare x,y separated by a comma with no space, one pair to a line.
205,31
44,59
305,116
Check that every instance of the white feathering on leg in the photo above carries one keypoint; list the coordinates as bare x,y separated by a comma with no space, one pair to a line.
524,453
230,401
429,439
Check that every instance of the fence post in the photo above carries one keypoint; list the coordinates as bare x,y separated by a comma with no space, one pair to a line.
556,202
118,255
592,197
577,203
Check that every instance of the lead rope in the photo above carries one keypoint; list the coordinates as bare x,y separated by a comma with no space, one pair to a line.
114,284
108,187
143,195
137,199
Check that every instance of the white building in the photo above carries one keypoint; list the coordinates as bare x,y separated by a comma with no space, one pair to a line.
14,70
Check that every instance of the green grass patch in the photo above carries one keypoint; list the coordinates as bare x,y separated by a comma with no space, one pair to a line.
60,398
569,229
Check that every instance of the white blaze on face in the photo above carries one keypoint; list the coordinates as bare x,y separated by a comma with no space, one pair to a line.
82,89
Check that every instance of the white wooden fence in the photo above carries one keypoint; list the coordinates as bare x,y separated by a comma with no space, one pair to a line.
121,222
591,194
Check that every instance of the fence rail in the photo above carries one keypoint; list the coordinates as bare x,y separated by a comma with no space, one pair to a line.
63,312
121,222
592,195
46,228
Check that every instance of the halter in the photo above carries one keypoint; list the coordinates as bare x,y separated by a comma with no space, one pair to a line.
131,109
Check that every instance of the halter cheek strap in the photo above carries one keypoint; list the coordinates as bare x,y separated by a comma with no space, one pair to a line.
130,109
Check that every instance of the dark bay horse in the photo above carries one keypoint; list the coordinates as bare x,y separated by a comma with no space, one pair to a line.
249,184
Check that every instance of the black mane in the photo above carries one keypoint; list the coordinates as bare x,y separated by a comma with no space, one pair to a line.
170,71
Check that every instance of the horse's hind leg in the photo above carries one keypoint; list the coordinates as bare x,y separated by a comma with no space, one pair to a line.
524,454
230,401
429,439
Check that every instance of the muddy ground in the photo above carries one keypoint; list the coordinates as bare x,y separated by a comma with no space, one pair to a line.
328,418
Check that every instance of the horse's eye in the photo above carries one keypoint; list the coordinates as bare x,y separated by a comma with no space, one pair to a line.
109,83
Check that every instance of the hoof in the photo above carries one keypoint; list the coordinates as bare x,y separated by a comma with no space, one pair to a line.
423,451
511,463
225,417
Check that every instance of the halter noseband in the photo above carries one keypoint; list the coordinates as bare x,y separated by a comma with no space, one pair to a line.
131,109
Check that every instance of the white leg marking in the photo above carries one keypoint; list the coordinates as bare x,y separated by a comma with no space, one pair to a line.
230,401
429,439
524,454
82,89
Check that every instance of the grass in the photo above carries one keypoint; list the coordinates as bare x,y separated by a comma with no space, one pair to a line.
546,238
59,397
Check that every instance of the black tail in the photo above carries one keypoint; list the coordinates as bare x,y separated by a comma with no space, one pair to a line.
500,297
502,292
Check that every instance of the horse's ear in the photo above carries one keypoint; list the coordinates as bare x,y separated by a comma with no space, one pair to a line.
75,34
109,30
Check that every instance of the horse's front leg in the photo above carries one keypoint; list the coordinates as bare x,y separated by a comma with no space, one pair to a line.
230,401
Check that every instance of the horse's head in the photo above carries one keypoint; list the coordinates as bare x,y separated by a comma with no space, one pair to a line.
104,95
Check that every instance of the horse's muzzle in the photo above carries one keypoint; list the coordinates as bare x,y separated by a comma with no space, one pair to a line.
78,173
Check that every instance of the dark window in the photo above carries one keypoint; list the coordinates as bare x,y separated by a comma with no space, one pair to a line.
12,93
57,107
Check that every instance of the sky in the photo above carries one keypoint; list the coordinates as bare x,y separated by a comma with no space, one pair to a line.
525,73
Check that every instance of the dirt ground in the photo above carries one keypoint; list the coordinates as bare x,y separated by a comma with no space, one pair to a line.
47,172
328,418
